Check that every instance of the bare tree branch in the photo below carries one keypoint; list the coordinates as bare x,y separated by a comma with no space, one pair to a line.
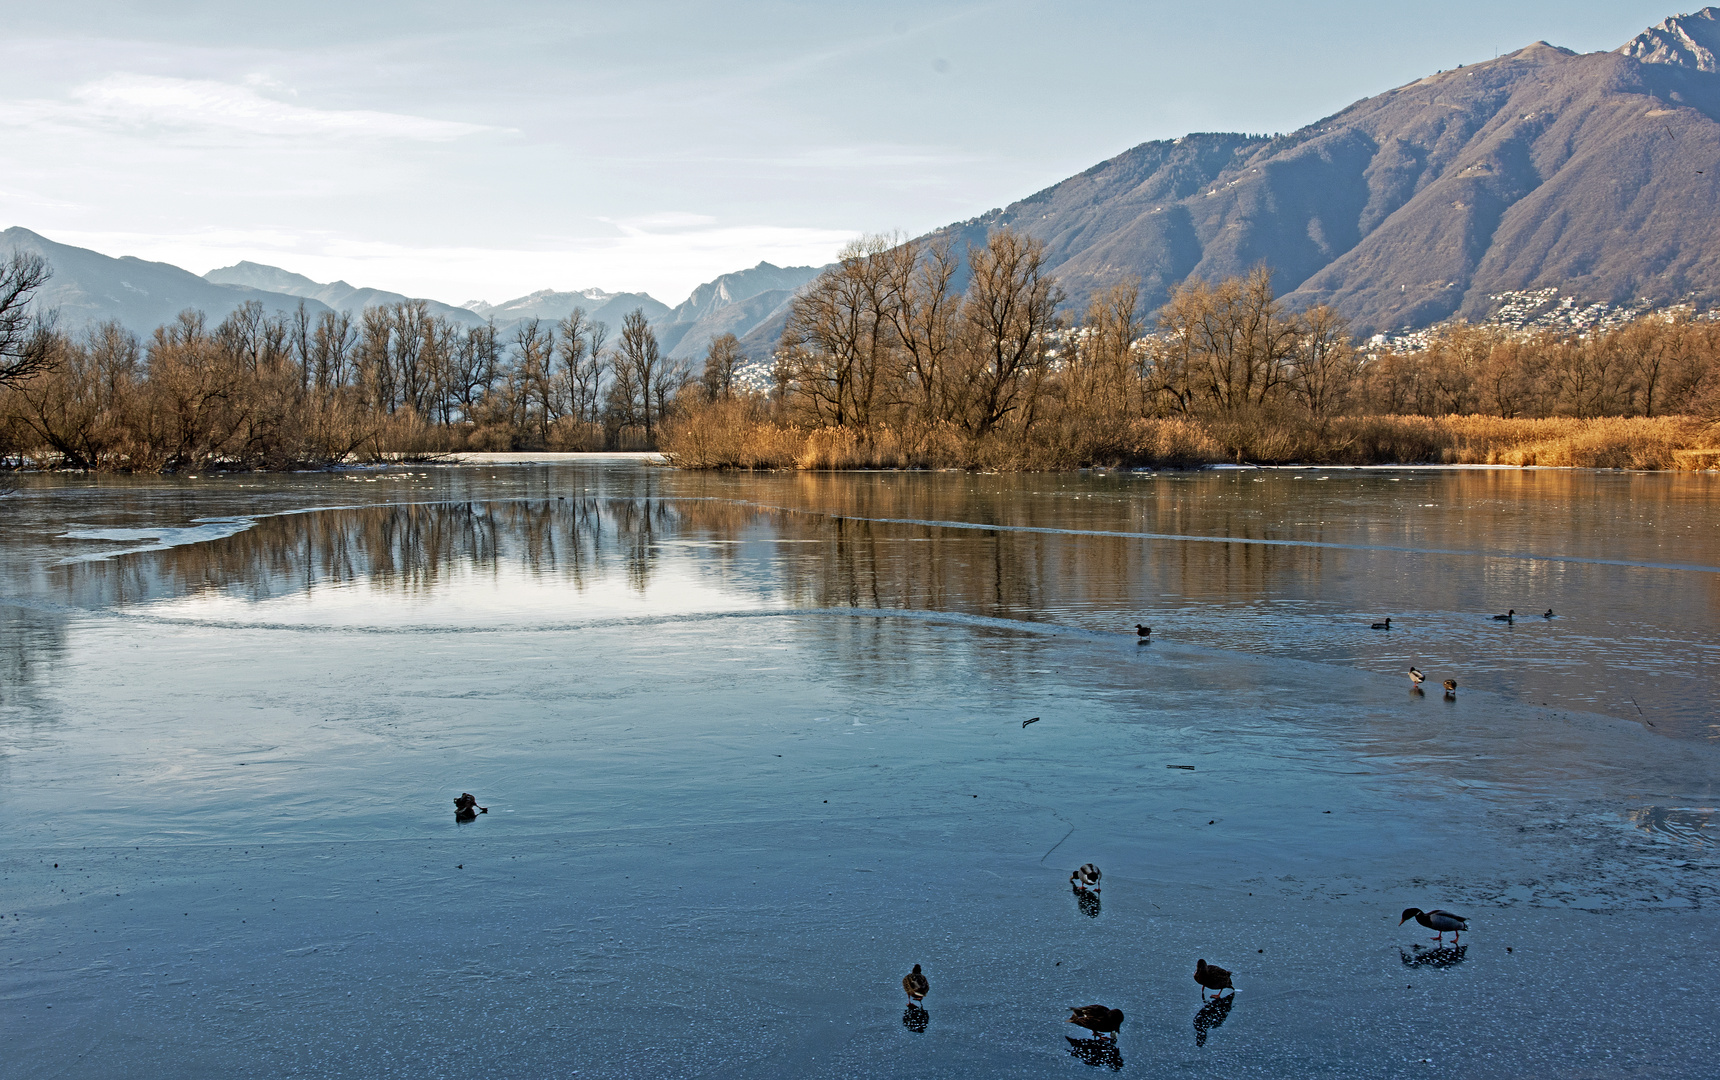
20,277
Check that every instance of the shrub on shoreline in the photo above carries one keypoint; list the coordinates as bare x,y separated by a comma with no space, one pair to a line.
738,435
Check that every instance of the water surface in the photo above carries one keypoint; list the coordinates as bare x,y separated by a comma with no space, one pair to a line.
753,746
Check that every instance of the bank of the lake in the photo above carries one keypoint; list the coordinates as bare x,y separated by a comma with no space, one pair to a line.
739,435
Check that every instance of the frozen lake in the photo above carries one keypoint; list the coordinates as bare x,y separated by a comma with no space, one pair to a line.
753,746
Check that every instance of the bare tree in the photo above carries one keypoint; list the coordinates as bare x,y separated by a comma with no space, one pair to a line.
1323,365
622,405
1102,372
1234,339
925,311
472,366
570,348
1010,310
332,345
534,352
639,352
20,277
838,349
376,360
588,375
300,336
722,359
412,333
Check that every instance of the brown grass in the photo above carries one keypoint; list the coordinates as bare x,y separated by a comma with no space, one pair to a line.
734,435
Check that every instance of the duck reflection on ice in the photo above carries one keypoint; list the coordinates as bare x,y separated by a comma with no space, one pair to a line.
1211,1015
1101,1053
915,1018
1442,957
1088,902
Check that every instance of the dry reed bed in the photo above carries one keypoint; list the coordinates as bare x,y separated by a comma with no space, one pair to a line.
733,436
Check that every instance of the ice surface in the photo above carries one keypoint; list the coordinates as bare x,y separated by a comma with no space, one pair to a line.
739,783
159,537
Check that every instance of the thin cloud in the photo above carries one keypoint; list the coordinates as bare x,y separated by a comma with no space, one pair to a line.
148,102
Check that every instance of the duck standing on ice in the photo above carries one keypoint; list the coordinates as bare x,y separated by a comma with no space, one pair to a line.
466,807
1443,921
1212,977
916,985
1097,1018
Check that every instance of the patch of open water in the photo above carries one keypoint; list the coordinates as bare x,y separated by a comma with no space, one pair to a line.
745,767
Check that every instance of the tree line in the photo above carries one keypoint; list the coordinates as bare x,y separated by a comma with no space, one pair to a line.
974,352
886,336
276,390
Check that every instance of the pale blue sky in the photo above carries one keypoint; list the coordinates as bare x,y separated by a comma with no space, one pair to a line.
480,151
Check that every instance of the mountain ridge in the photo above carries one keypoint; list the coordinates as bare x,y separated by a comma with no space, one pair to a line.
1415,205
1595,173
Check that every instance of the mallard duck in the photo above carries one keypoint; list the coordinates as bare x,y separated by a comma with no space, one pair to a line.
1415,676
467,806
1443,921
1387,625
1097,1019
1509,616
1451,688
1086,876
915,984
1143,631
1211,978
1547,614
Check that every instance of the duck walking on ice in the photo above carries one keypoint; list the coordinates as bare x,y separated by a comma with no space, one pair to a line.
1086,876
1211,977
1443,921
914,982
1451,688
1143,632
466,806
1097,1019
1416,677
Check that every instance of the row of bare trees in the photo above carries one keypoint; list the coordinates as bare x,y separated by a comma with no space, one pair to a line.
262,390
886,336
908,336
886,333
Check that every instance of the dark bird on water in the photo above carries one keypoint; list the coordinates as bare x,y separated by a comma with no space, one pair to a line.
1415,676
1509,616
1443,921
1547,614
1086,876
1143,631
915,984
1211,978
1451,688
467,806
1387,625
1097,1019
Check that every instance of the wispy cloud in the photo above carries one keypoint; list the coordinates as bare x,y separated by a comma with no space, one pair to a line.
148,102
